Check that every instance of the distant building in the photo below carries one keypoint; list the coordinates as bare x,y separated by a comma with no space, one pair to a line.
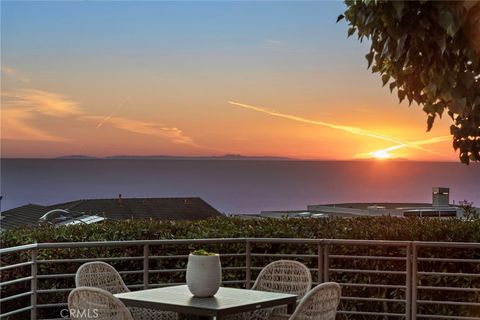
439,207
96,210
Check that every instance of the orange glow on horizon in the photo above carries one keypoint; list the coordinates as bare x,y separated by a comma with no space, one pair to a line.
381,154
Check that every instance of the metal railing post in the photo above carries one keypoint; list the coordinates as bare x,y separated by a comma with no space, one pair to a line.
146,266
414,280
33,286
320,262
408,283
326,263
248,264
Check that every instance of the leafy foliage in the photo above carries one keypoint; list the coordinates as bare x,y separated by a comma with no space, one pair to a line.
430,52
203,252
469,211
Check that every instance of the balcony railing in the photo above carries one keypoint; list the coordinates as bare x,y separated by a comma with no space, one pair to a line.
379,279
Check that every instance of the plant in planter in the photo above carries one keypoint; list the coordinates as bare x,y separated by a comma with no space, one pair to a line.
204,273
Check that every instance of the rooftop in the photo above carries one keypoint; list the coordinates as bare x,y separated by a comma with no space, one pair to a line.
189,208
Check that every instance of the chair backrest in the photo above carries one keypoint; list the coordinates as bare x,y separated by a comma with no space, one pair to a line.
286,276
100,275
320,303
96,303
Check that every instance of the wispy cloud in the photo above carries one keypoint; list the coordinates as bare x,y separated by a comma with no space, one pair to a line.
40,101
16,125
15,74
21,107
173,134
349,129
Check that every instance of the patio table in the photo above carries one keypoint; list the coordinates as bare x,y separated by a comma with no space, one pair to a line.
226,301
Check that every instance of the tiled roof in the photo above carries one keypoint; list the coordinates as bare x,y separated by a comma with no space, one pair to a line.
193,208
22,216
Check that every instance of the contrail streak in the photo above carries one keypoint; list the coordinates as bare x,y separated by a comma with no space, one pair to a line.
121,104
399,146
353,130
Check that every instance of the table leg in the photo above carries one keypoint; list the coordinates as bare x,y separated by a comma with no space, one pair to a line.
291,307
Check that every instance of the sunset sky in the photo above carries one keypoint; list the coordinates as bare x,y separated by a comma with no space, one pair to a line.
199,78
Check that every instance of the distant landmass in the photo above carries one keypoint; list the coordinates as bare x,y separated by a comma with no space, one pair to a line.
169,157
75,156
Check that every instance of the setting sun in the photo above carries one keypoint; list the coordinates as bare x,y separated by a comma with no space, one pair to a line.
381,154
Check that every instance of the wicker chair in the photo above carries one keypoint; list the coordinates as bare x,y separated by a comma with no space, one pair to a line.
320,303
284,276
96,303
102,275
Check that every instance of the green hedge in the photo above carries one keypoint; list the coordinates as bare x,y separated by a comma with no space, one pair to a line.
379,228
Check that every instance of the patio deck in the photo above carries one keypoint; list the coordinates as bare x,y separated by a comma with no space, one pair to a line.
379,279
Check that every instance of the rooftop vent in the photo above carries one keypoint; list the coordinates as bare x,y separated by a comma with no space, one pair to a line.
440,197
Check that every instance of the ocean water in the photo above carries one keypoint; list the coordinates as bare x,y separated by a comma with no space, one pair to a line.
235,186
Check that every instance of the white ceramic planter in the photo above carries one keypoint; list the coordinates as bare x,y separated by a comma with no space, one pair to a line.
204,274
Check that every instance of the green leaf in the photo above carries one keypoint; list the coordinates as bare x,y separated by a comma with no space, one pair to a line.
430,121
392,85
385,78
401,95
369,57
398,5
442,43
448,22
340,17
351,31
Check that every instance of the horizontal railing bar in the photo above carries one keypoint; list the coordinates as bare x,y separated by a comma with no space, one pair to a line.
283,255
238,240
374,299
180,256
167,271
135,243
365,313
54,290
157,285
367,242
233,281
70,289
366,271
17,265
185,256
55,275
437,316
449,260
15,249
333,256
10,282
329,241
449,288
16,296
313,270
431,244
448,274
70,275
453,303
11,313
372,285
140,285
88,260
52,305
